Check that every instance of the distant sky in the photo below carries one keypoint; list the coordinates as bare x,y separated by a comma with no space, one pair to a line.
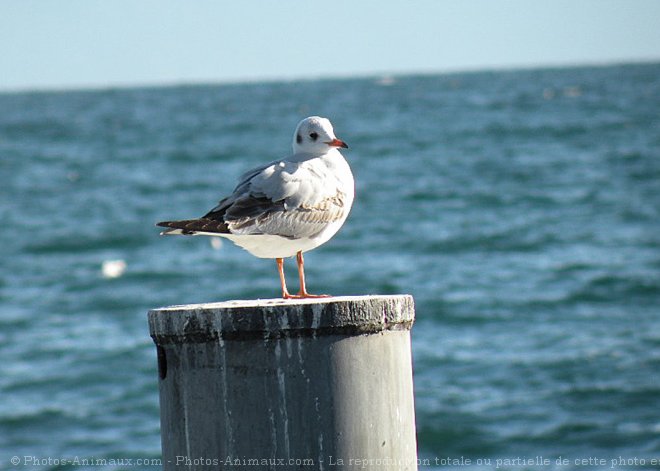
101,43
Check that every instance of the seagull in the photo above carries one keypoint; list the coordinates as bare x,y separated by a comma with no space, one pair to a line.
285,207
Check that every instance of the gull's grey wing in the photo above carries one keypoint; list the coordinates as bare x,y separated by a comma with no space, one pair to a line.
295,182
273,218
286,198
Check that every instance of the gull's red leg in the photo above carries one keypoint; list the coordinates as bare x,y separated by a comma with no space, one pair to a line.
301,274
280,268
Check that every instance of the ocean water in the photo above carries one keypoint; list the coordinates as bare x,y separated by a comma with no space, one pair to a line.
521,209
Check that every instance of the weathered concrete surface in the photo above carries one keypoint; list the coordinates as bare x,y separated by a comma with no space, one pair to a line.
304,384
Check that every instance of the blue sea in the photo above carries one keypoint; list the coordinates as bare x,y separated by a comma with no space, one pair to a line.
521,209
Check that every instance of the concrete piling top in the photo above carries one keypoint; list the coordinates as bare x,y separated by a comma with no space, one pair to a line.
277,318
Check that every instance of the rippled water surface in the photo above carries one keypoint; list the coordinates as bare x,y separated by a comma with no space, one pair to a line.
521,209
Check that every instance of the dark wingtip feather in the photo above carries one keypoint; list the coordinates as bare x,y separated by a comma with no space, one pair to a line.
189,226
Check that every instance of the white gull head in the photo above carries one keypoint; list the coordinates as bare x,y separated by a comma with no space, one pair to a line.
314,135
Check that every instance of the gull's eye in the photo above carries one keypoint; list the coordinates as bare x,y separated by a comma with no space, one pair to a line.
314,136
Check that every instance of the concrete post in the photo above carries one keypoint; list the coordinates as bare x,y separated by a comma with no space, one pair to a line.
272,384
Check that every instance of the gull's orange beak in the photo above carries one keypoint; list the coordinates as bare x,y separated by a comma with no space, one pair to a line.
337,143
